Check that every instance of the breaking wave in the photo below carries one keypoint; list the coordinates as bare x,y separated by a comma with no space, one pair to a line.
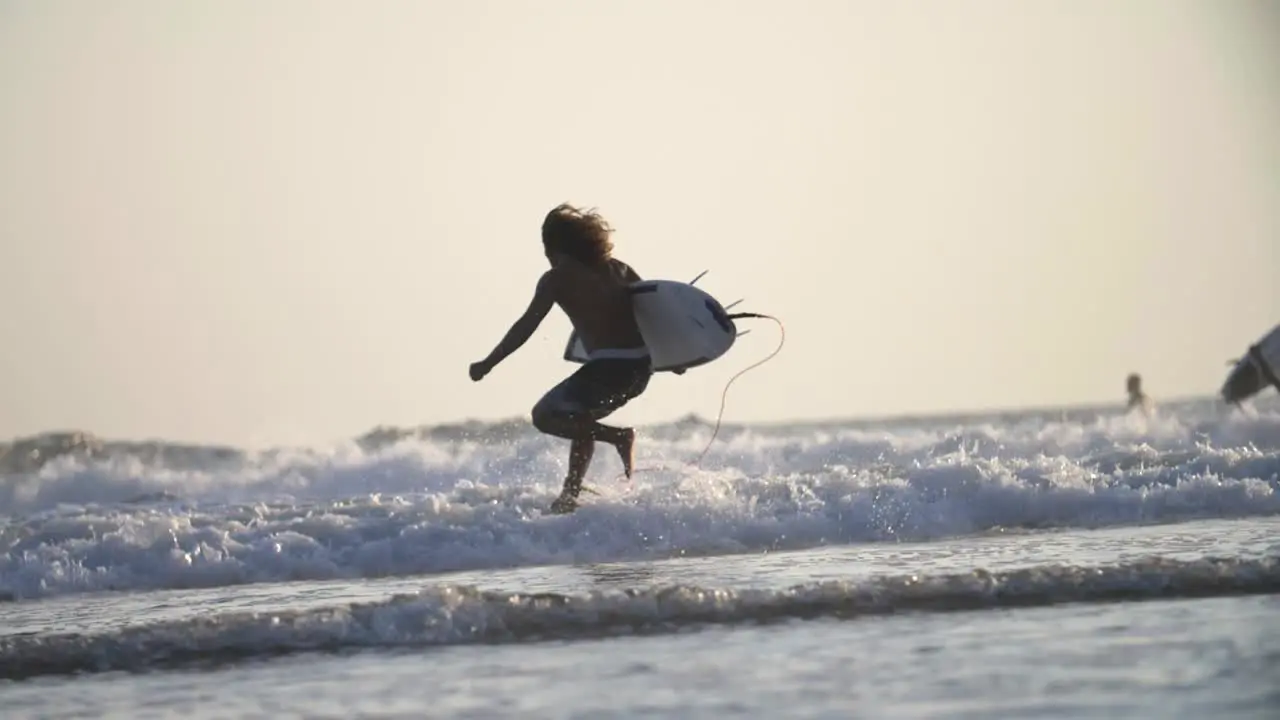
407,502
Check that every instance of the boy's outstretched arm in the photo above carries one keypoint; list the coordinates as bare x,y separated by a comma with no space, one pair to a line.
522,329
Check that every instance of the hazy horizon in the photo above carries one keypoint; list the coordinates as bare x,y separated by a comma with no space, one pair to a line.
266,223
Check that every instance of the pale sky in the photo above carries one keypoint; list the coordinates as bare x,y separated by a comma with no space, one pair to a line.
271,221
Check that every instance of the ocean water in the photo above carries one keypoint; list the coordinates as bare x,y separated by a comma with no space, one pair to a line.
1074,563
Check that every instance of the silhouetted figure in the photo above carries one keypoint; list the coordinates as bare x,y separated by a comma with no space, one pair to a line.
591,287
1137,398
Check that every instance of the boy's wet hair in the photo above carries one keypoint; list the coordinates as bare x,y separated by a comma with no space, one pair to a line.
581,234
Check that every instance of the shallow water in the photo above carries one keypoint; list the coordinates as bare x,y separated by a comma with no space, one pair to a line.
1189,659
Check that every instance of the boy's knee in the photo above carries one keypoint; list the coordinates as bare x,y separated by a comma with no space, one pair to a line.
545,414
540,415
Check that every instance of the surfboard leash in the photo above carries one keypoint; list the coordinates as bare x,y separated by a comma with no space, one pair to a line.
724,395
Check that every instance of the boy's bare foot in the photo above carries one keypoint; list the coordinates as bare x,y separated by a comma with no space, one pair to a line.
566,503
627,450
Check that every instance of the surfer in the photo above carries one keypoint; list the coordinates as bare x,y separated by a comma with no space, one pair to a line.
1259,368
590,286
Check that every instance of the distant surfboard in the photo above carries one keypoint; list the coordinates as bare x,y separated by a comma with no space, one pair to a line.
682,326
1252,373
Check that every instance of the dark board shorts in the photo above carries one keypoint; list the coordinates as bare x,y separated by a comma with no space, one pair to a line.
598,388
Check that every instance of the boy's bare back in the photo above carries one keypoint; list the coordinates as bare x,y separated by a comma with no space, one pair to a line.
598,303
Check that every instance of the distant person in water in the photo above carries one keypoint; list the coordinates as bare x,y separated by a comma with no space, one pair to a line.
590,286
1138,399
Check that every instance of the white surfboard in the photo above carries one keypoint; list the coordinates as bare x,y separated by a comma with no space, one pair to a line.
682,326
1252,373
